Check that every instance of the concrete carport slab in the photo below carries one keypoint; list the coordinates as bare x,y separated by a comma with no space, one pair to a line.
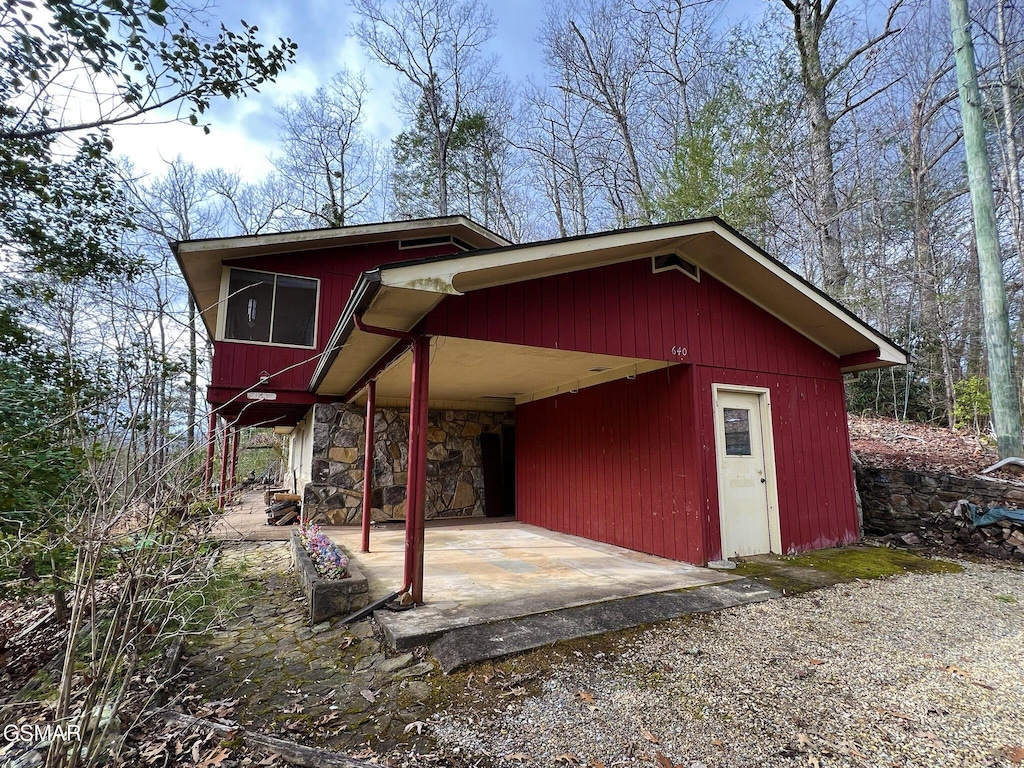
493,575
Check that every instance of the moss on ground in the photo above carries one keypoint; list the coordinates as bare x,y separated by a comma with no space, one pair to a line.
778,576
811,570
871,562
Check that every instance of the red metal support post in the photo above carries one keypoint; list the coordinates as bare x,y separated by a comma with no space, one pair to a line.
234,464
211,447
416,484
371,406
223,467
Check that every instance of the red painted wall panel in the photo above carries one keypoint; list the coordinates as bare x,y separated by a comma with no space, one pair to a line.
626,309
812,457
616,463
239,365
633,462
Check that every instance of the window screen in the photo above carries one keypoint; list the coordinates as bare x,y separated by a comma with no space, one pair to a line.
270,308
294,311
250,304
737,431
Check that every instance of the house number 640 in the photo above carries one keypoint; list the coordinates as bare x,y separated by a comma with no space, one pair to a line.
679,351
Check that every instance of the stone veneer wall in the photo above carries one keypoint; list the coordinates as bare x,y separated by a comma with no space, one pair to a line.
897,501
455,481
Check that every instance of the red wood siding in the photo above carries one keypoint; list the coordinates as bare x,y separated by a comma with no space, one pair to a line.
627,310
812,457
616,463
633,462
239,365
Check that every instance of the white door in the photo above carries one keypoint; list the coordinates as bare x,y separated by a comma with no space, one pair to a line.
743,502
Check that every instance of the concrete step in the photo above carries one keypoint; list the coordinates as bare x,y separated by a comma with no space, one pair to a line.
469,645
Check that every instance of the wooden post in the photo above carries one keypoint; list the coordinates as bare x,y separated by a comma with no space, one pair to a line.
416,484
371,406
211,447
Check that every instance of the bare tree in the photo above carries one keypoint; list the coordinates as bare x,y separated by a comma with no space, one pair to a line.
827,100
251,208
328,162
437,46
600,50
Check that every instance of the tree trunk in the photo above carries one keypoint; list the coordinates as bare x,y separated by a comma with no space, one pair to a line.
1009,98
1005,406
808,26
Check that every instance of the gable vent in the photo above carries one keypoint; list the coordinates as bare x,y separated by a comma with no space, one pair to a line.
427,242
675,261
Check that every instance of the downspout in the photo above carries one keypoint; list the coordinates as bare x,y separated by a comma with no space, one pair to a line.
417,474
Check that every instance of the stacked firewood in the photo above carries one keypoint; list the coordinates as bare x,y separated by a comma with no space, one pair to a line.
283,508
953,527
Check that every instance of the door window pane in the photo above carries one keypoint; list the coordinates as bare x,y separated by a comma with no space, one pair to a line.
737,431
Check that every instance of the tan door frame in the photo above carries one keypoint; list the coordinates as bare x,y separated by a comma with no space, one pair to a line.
768,447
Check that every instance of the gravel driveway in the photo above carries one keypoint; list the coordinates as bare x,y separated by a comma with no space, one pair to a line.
918,670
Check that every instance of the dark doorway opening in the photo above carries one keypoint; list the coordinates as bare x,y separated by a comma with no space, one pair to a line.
498,451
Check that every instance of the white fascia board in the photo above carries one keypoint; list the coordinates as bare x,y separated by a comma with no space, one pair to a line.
327,237
438,275
886,351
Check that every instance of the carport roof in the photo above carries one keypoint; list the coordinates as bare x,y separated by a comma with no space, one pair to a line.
398,296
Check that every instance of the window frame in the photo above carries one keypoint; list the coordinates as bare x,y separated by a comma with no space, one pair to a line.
222,313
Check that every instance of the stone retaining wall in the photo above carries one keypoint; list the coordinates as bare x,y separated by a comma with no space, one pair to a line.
897,501
455,482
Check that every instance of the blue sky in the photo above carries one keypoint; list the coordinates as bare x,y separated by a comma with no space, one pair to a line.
243,132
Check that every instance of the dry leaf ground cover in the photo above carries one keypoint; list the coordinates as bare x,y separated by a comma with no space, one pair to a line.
915,670
884,442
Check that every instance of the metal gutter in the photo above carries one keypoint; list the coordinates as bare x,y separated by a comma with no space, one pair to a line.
363,294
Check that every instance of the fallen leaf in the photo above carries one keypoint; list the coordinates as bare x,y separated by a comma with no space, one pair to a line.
663,760
584,696
519,757
215,758
415,725
803,740
815,662
813,761
718,743
1014,754
567,759
596,764
649,736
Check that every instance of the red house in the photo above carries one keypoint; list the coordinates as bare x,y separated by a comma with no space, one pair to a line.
671,389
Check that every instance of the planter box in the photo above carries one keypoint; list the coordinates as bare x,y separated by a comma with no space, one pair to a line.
328,597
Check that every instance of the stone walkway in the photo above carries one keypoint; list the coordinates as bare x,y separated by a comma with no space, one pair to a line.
326,685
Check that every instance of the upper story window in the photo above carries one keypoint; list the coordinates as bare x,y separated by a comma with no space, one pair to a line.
270,308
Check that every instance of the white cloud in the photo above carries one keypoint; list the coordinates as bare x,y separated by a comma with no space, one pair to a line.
227,146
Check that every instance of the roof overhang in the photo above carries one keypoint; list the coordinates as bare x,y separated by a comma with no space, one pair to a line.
399,296
202,261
